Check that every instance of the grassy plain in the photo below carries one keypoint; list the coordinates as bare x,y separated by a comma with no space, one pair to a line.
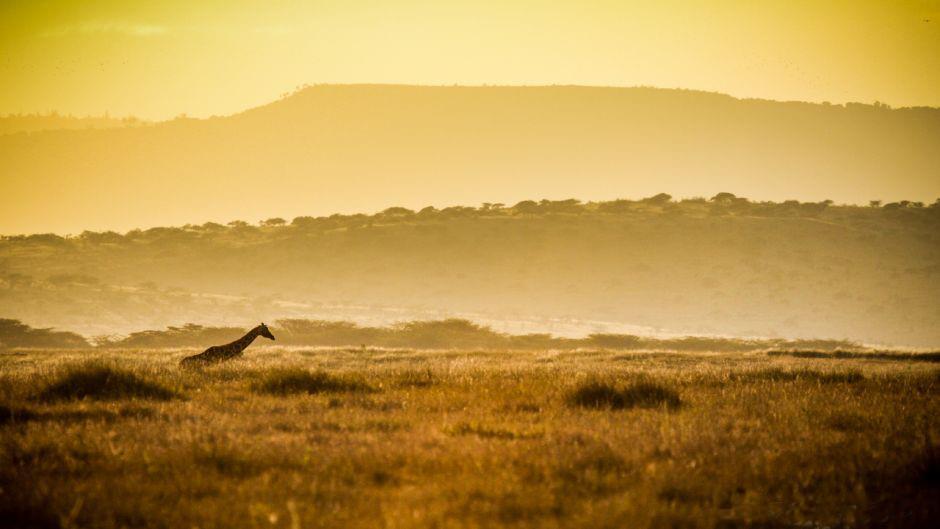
301,437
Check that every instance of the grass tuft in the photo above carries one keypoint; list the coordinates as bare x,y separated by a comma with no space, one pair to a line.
97,381
290,381
600,395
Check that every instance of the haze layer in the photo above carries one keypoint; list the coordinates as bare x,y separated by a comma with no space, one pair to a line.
363,148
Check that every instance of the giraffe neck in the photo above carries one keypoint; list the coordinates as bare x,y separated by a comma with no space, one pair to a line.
243,342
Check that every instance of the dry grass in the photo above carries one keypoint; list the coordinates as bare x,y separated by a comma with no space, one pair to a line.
401,439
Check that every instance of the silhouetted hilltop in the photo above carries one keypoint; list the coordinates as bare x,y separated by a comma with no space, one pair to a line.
719,266
354,148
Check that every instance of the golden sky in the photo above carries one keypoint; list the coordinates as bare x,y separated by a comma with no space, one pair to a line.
160,59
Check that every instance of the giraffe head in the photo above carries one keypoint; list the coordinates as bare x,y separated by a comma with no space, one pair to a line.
263,331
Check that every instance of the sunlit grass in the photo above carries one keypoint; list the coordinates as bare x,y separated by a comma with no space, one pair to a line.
400,438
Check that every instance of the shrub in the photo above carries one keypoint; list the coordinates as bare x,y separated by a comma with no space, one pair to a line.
601,395
102,382
296,380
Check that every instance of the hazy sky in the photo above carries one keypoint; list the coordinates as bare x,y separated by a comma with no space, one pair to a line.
160,59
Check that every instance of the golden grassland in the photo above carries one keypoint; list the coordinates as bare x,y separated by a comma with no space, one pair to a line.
301,437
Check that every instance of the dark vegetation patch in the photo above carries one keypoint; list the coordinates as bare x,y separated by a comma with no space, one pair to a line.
98,381
593,469
640,357
908,493
601,395
126,412
933,356
382,478
776,374
291,381
22,456
14,415
21,513
384,426
847,422
491,432
928,467
680,494
226,461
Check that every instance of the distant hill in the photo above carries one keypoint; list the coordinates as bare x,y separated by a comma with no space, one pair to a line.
15,123
349,148
722,266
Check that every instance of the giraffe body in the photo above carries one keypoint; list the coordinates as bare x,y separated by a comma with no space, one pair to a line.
221,353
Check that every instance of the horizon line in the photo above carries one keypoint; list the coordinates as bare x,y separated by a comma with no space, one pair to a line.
300,88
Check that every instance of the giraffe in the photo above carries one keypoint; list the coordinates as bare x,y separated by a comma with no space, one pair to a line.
221,353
